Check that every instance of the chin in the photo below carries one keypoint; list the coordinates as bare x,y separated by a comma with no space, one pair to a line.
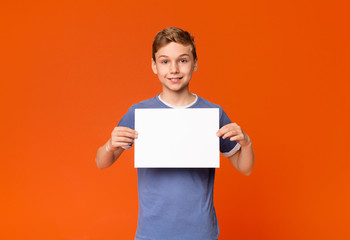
177,89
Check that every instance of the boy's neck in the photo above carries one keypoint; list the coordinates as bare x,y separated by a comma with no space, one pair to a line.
177,98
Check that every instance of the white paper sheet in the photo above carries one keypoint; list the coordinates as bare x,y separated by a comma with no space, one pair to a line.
177,138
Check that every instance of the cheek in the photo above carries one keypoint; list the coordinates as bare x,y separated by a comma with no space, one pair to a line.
161,71
188,69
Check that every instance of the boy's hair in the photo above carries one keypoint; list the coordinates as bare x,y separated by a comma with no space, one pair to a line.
173,34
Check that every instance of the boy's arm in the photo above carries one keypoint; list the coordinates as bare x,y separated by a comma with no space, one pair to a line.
111,151
105,158
243,159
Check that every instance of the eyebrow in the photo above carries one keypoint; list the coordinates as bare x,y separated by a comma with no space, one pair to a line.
182,55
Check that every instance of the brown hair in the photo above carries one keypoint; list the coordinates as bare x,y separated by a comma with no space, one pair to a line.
173,34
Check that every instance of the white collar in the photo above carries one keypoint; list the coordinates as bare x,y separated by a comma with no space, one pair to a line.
187,106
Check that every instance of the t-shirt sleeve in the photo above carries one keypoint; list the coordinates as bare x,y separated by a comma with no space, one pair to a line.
128,120
227,147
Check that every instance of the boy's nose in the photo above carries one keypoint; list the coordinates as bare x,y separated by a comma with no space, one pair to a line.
174,68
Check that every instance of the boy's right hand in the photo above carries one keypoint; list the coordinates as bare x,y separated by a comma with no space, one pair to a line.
121,137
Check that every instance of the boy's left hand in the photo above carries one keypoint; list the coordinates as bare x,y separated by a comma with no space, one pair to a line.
235,133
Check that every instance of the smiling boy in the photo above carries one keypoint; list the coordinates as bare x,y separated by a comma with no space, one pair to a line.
177,203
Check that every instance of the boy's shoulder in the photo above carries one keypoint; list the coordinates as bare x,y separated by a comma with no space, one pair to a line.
148,103
201,102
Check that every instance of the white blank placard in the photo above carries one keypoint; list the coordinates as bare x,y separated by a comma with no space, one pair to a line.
177,138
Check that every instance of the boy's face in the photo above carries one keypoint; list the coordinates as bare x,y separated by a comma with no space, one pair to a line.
174,66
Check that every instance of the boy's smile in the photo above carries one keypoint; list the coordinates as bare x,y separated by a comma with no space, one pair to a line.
174,66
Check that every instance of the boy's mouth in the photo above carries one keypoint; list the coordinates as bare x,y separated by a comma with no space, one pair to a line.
175,80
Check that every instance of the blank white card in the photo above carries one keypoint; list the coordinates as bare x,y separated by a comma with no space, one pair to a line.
177,138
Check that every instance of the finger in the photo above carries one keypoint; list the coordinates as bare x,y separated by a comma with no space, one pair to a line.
222,131
122,139
132,134
226,128
124,134
237,138
130,131
124,129
121,144
229,134
127,132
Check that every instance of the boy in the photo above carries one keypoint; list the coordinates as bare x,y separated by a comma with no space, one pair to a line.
177,203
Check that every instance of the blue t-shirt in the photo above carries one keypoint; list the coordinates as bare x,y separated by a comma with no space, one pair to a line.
177,203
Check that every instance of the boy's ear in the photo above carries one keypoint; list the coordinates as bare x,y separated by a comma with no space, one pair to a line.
195,66
154,67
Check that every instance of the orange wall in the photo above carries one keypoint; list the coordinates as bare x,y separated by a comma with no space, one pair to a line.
71,69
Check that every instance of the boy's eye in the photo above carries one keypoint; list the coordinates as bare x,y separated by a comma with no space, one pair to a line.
183,60
165,62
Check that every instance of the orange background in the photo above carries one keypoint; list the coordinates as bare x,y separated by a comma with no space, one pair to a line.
71,69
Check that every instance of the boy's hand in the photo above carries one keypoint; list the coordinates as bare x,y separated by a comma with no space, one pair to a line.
235,133
121,137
